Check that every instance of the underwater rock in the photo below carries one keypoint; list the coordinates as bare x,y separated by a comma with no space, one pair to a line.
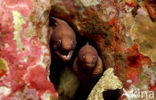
24,50
108,81
122,30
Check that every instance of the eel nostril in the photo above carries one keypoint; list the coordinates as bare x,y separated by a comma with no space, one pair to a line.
83,57
71,41
93,57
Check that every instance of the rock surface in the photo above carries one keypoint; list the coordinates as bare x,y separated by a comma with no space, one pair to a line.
123,31
107,82
24,50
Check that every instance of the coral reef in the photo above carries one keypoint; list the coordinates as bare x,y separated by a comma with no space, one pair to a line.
122,30
24,50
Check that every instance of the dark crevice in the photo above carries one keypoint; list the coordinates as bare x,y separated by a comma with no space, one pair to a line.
111,94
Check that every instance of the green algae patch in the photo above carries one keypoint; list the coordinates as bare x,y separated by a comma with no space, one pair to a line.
3,67
19,20
88,3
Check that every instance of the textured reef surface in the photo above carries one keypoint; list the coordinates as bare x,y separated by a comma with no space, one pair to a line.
24,50
123,31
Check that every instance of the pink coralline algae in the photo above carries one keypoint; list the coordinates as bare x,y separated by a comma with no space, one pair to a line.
24,51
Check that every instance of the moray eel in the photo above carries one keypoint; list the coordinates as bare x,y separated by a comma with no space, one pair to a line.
88,63
63,40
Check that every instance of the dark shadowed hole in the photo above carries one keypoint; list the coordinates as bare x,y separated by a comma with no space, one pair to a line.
111,94
57,65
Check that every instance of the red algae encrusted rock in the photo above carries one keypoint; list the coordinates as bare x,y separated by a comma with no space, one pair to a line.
123,31
24,50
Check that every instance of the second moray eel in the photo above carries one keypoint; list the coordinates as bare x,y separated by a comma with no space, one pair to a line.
88,64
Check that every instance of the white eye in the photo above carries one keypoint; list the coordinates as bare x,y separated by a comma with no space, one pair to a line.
59,42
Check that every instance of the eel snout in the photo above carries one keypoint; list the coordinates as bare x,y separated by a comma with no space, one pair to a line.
88,62
65,49
64,40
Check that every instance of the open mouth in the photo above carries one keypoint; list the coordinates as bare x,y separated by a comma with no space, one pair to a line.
90,65
65,55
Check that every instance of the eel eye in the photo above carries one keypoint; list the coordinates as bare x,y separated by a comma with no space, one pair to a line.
83,57
93,57
59,42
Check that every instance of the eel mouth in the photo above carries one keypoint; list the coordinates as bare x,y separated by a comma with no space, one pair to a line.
65,55
90,65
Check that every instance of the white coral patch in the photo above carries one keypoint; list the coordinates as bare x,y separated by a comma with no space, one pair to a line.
45,57
5,91
45,31
153,79
151,72
46,96
87,3
129,81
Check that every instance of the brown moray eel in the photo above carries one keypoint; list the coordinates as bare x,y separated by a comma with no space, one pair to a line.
88,64
63,40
